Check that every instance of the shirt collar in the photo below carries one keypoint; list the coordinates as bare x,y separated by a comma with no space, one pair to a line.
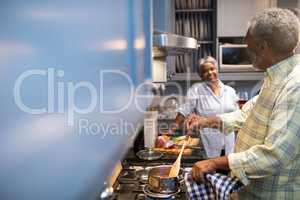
280,70
221,84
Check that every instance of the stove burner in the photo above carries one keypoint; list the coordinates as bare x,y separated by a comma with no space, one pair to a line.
132,184
143,174
128,176
154,195
140,197
127,187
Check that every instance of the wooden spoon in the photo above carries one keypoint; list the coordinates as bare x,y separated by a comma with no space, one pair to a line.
174,171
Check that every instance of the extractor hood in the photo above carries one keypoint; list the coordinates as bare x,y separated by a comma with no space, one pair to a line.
168,44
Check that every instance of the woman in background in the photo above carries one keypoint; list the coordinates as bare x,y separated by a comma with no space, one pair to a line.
209,98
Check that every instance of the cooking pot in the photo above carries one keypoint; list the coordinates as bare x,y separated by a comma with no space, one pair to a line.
160,182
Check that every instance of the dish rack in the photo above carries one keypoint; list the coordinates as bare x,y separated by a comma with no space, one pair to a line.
197,19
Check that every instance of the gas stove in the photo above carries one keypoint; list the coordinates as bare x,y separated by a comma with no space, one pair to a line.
132,184
132,181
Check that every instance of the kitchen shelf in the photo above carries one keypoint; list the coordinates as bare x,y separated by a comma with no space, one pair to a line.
194,10
206,42
224,76
185,77
241,76
195,19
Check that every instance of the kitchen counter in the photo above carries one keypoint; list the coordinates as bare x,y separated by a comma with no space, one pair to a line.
187,161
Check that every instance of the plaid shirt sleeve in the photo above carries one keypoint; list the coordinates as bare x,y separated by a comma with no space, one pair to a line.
234,120
281,145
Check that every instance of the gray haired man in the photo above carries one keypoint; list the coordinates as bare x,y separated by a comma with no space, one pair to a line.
267,151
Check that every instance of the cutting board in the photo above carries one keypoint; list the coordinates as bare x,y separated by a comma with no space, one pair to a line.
176,150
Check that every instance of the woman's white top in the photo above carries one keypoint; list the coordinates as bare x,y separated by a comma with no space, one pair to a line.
202,101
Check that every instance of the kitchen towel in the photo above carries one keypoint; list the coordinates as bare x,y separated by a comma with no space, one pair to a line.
215,187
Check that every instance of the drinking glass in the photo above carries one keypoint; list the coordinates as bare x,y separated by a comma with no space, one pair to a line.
150,129
243,98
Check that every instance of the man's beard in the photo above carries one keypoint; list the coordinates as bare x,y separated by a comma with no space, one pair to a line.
255,59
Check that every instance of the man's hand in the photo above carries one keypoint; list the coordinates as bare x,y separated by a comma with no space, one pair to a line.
195,121
201,168
209,166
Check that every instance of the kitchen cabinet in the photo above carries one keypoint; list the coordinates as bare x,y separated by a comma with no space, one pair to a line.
163,15
233,18
207,21
197,19
233,15
288,3
64,67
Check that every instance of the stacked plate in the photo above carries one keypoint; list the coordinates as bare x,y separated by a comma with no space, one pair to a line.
193,4
198,25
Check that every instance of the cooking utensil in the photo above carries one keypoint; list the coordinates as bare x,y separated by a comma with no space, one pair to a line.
149,154
143,174
189,146
160,182
114,175
174,171
107,192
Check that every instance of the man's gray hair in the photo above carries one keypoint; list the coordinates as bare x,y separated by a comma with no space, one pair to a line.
278,27
203,61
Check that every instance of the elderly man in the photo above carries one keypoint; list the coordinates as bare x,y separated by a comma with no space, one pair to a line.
267,151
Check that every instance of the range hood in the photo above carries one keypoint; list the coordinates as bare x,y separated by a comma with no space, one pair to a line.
168,44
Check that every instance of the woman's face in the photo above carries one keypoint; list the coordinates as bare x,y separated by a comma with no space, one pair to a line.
209,72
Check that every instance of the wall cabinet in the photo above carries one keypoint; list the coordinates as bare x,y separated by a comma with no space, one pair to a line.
233,15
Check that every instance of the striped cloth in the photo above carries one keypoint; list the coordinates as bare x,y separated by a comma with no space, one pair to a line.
215,187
